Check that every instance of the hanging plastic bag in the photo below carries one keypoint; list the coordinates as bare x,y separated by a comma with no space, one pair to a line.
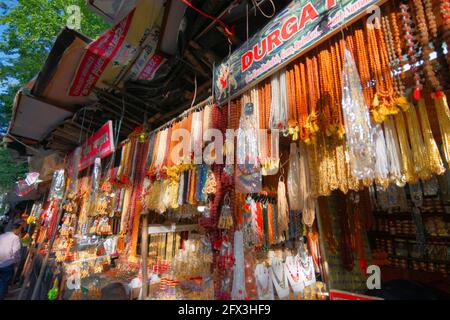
293,183
248,173
358,128
58,184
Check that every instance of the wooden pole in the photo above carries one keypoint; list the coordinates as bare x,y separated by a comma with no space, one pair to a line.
30,261
49,249
144,255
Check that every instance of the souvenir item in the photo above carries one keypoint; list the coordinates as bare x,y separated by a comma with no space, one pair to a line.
238,290
358,127
58,184
247,154
226,215
307,269
278,118
381,164
294,274
307,201
264,283
293,183
283,208
279,278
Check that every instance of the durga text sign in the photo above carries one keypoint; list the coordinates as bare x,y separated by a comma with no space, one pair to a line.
297,27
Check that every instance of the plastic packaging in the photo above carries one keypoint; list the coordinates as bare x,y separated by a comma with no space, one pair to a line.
358,127
293,179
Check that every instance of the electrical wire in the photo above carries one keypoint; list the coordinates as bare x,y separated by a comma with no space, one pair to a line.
195,93
228,30
257,4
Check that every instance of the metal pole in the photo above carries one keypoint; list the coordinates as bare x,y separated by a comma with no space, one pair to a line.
144,255
49,249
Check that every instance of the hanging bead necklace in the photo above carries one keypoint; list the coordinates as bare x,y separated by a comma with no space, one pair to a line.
424,40
295,275
409,30
262,274
281,281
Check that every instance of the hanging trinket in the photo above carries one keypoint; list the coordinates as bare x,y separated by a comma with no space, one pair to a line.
358,127
226,215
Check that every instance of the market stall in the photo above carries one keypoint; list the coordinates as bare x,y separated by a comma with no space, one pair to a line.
323,149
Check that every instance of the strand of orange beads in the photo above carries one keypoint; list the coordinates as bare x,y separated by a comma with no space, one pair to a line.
391,50
337,72
324,92
292,112
431,18
394,30
262,106
424,40
379,108
364,68
409,31
444,9
400,99
334,105
300,107
303,108
386,71
316,84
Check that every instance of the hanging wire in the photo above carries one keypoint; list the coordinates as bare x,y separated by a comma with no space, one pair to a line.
257,4
82,126
228,30
195,92
344,23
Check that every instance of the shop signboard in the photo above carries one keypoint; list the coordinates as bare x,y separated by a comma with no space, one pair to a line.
302,24
99,145
125,51
344,295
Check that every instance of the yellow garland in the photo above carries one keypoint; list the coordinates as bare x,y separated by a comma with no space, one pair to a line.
443,114
407,164
434,156
172,190
402,103
418,150
341,168
311,127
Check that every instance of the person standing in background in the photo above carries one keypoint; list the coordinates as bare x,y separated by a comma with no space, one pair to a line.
9,255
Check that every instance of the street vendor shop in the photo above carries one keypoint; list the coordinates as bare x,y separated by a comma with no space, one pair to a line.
312,164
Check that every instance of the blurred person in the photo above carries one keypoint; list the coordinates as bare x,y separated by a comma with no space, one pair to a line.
10,247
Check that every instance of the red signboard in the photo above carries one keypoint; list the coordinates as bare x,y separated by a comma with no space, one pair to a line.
97,56
343,295
99,145
151,67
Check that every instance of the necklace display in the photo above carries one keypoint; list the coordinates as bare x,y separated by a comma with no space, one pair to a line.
307,269
279,278
264,282
295,275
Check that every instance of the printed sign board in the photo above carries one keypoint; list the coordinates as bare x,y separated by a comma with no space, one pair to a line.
300,25
99,145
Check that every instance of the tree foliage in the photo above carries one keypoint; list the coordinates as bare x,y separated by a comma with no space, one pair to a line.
31,27
28,29
11,171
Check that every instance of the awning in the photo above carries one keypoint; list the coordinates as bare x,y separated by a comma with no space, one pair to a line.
35,119
54,79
